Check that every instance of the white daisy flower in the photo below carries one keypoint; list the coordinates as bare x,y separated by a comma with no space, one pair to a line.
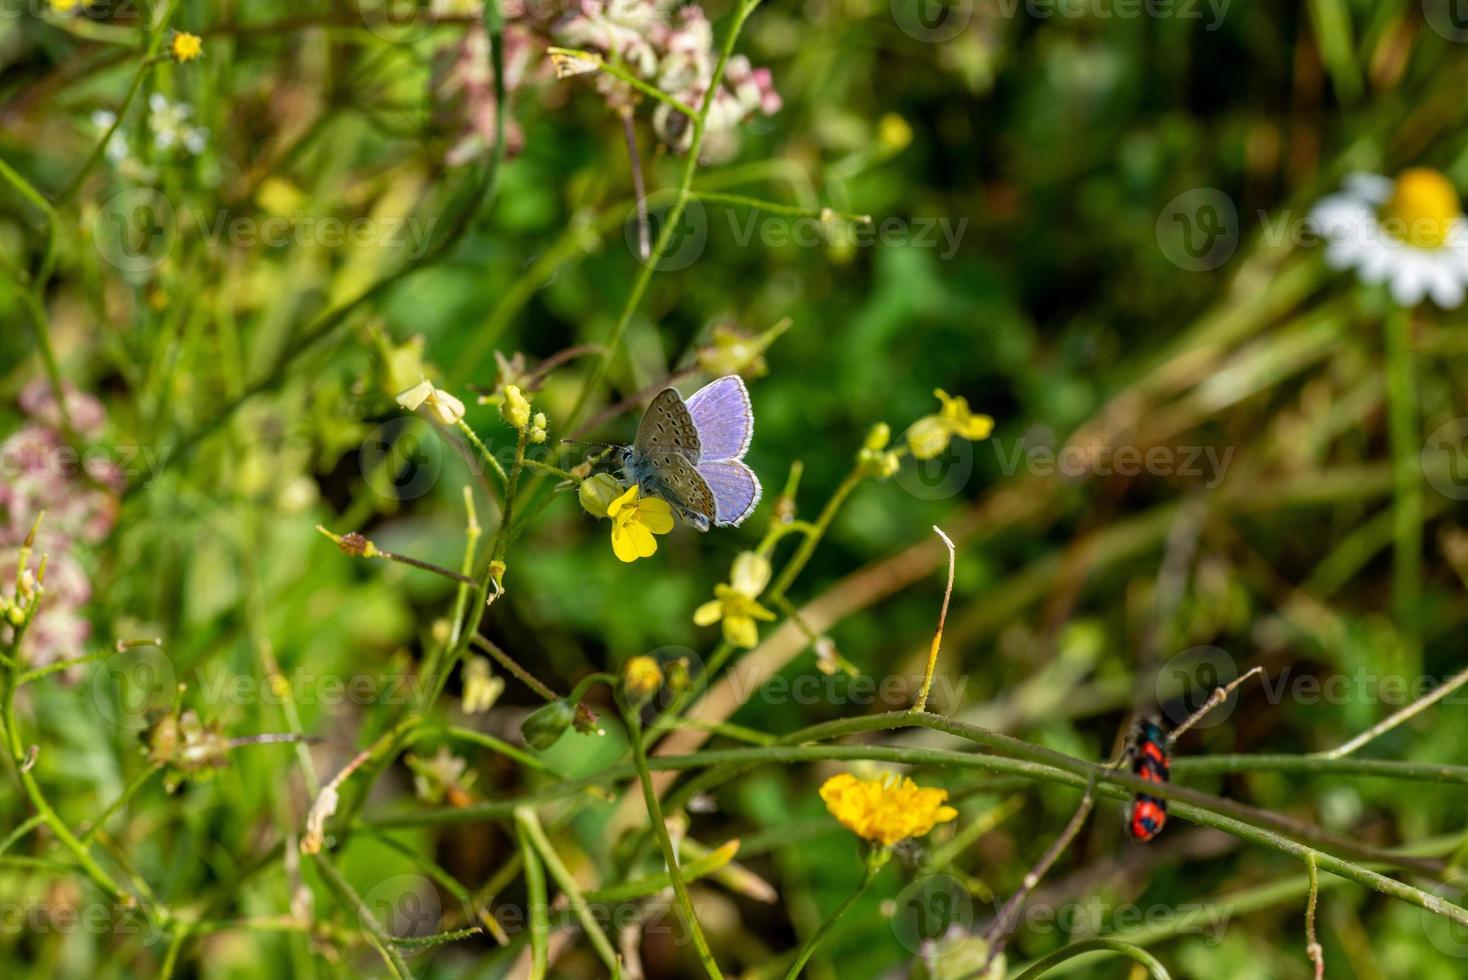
171,127
1409,233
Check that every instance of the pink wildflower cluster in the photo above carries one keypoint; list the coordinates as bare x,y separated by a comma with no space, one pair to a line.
40,472
671,48
463,88
666,45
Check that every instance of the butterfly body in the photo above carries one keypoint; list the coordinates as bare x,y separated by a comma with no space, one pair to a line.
690,453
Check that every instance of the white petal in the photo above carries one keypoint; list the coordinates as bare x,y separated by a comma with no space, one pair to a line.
1369,187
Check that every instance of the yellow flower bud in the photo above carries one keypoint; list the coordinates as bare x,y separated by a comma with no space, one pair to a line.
878,437
641,679
515,409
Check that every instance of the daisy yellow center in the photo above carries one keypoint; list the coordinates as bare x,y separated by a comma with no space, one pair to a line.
1422,209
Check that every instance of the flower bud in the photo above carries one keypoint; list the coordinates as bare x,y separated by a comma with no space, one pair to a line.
543,727
515,409
598,492
641,679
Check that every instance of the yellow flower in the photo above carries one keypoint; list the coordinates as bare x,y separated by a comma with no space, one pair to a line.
735,603
885,811
439,405
929,436
635,521
185,46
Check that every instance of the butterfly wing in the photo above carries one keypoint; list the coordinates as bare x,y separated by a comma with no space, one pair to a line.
724,418
734,487
667,426
671,476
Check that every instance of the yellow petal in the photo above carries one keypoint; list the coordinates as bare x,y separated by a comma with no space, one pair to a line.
928,436
740,631
750,574
643,541
758,611
627,499
708,613
623,545
655,515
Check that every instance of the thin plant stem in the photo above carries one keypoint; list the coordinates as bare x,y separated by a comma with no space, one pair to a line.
808,948
922,699
1398,717
529,825
1406,444
372,930
1313,948
660,831
1045,964
536,896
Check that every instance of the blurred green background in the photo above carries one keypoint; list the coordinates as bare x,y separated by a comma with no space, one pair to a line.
1056,147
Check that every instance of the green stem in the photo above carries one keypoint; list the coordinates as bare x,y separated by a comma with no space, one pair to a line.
809,947
536,896
372,930
1406,479
660,831
528,824
1046,963
670,225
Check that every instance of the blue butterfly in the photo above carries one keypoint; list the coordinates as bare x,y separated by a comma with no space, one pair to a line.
691,453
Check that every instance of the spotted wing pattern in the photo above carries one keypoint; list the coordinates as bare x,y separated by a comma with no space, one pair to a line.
675,479
667,426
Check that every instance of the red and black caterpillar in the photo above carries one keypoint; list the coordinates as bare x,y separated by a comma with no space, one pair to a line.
1148,814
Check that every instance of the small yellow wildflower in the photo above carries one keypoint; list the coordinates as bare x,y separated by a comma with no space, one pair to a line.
885,811
929,436
438,404
185,46
735,603
635,521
